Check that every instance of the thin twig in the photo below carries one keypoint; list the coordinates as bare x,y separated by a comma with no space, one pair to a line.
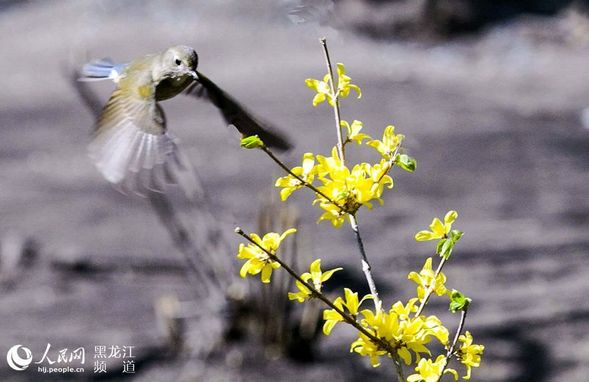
347,317
366,268
399,368
335,100
450,351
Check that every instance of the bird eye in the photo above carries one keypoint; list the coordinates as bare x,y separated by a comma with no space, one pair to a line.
178,61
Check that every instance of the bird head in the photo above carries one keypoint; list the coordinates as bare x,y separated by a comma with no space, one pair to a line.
180,61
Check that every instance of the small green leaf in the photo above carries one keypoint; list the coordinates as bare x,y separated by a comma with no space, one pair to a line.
446,249
406,162
440,246
456,235
458,301
252,142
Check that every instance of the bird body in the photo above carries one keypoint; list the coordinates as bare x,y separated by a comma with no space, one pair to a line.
131,146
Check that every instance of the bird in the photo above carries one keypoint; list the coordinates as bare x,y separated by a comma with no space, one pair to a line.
131,145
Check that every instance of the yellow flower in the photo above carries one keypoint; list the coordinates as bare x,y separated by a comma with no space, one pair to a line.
351,304
425,280
361,184
354,134
382,325
365,347
404,333
469,354
348,189
258,261
415,333
332,317
316,276
323,89
436,329
438,229
328,166
389,144
290,184
344,83
332,214
430,371
380,179
404,311
334,175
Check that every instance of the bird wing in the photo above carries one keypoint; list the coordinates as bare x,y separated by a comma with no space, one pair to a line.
236,115
131,147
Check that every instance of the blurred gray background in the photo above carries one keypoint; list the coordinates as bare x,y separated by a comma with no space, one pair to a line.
491,97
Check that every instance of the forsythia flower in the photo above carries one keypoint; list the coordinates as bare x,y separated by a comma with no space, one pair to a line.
378,174
259,261
325,91
354,134
344,83
425,280
390,142
469,354
429,371
289,183
349,189
438,229
316,276
351,304
404,311
365,347
403,333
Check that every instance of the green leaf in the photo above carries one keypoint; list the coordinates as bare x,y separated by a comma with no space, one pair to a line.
446,249
252,142
458,301
406,162
456,235
440,246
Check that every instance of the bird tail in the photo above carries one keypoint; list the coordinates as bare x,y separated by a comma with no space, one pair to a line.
103,69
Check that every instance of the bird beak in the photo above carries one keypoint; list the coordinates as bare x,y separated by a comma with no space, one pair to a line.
193,74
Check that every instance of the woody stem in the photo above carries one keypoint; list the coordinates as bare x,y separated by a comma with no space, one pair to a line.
347,317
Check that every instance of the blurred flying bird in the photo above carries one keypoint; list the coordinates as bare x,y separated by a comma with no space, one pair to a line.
132,147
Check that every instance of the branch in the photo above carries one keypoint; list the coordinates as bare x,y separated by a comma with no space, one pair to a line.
366,268
335,100
347,317
450,351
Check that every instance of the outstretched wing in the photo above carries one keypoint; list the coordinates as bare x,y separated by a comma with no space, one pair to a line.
236,115
131,147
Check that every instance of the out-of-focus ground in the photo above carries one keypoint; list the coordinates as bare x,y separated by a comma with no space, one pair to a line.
494,121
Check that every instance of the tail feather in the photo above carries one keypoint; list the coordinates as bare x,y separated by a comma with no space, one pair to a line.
103,69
